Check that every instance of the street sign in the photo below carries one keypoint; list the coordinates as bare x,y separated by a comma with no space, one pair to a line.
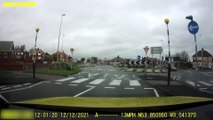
138,58
156,50
193,27
146,49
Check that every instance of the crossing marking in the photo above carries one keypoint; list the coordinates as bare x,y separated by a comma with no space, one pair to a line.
205,74
58,83
97,81
105,75
134,83
65,79
120,76
73,84
80,80
205,83
115,82
2,86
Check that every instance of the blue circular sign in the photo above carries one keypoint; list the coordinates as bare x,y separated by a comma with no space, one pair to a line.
193,27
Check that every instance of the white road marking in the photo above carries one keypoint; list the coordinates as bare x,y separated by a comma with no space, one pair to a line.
110,87
133,76
120,76
58,83
23,88
17,86
206,74
73,84
2,86
26,83
129,88
155,91
211,81
204,90
6,88
134,83
205,83
80,80
191,83
97,81
84,91
115,82
105,75
65,79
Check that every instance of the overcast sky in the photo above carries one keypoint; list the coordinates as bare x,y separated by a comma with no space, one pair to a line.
106,28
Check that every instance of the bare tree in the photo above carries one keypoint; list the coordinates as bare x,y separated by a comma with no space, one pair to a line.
184,56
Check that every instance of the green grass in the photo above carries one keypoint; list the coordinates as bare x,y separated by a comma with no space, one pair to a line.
115,102
57,72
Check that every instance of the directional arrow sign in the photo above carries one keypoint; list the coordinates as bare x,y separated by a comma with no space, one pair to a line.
193,27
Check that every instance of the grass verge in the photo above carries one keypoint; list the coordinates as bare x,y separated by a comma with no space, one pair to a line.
115,102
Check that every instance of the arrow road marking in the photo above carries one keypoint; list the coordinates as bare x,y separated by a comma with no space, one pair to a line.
120,76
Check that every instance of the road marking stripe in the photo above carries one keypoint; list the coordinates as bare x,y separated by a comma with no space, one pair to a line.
65,79
191,83
2,86
110,87
97,81
80,80
73,84
17,86
120,76
105,75
134,83
26,83
129,88
115,82
155,91
6,88
84,91
205,74
205,83
58,83
211,81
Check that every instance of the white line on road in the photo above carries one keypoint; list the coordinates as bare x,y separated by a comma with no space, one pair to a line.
23,88
65,79
211,81
2,86
205,83
191,83
73,84
206,74
134,83
80,80
110,87
129,88
26,83
97,81
155,91
105,75
17,86
120,76
203,90
58,83
6,88
115,82
84,91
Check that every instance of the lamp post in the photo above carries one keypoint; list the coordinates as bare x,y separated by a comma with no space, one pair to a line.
193,29
34,53
166,20
59,36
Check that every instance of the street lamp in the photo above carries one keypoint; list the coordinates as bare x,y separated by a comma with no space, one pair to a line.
193,29
166,20
59,36
34,54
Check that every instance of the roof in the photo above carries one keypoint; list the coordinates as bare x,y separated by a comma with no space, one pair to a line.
204,52
117,59
60,53
6,46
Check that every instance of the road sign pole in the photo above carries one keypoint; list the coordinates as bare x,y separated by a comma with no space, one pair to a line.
195,38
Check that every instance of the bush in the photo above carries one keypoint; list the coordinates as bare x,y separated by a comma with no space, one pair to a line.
59,66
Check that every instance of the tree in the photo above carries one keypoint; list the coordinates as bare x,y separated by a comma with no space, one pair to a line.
94,59
184,57
82,60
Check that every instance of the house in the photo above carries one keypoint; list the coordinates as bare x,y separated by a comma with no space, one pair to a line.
61,55
40,54
204,59
6,51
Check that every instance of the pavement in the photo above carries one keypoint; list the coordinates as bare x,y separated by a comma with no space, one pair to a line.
17,77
